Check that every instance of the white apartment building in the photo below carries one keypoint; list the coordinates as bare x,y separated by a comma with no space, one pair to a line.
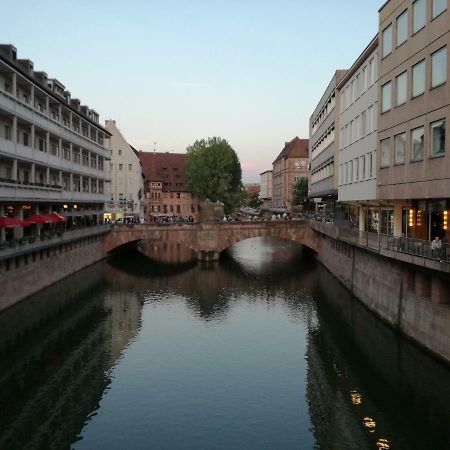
127,182
52,153
266,185
358,92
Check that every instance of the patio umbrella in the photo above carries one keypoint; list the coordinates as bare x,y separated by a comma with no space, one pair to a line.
38,218
10,222
56,217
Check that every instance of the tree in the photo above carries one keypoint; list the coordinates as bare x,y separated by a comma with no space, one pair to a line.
300,191
213,171
254,201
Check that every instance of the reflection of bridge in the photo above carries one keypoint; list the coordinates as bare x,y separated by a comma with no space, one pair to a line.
204,241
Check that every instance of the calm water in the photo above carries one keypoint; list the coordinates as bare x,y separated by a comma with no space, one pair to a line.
262,351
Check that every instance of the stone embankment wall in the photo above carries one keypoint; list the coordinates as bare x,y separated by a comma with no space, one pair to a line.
24,275
412,299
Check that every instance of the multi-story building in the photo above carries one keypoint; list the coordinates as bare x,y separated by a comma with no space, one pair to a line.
413,161
289,166
358,93
324,144
165,186
52,153
266,189
127,184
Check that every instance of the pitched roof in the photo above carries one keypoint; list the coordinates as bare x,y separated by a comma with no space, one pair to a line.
297,148
166,167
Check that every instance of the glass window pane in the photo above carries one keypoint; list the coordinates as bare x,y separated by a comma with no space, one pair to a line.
401,88
386,97
387,40
385,153
439,67
399,152
417,138
438,138
418,74
402,28
419,15
439,6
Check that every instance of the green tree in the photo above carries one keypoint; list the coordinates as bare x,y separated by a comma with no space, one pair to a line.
254,201
213,171
300,192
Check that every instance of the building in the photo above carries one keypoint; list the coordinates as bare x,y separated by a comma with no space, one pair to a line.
127,184
413,162
266,189
324,144
289,166
358,93
165,186
52,149
252,189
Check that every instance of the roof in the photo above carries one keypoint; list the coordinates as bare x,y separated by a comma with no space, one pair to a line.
297,148
169,168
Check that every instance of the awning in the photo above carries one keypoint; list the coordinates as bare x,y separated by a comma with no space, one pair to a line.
39,219
10,222
56,217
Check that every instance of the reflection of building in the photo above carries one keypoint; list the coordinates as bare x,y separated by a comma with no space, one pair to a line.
413,161
324,144
289,166
358,91
127,185
52,154
165,185
266,189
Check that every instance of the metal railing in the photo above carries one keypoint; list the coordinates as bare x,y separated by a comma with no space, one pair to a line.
417,247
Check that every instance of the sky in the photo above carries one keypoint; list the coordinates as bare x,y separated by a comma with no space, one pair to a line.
174,71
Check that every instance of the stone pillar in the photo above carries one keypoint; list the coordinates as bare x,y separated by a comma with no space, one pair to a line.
89,184
96,185
47,175
2,230
439,291
14,170
398,219
32,95
60,178
14,130
423,285
47,105
71,182
362,218
81,183
18,231
70,120
60,112
70,152
60,148
96,161
33,136
33,173
47,142
14,84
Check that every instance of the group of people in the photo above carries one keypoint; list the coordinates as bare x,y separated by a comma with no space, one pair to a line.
174,219
284,216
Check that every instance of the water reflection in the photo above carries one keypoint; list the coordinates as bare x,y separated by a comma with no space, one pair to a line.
264,350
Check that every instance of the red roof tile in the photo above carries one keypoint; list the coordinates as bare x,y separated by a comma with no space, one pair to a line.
297,148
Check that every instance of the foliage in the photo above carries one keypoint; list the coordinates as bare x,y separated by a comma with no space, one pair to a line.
213,171
300,192
254,201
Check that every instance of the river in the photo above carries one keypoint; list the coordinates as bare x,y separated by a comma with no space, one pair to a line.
263,350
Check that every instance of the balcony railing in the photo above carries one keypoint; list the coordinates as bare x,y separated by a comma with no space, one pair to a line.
417,247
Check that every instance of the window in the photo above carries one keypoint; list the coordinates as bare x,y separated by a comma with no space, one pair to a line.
399,148
370,165
364,79
350,169
386,97
119,152
130,167
370,125
439,6
439,67
437,138
363,124
419,15
363,167
120,166
385,153
402,28
418,79
387,41
346,172
356,165
401,92
417,138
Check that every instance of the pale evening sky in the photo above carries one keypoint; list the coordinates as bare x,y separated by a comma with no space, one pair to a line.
170,72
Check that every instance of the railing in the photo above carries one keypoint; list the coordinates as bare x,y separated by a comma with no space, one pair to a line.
418,247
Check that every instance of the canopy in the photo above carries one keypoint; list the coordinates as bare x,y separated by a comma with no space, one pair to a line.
56,217
10,222
39,218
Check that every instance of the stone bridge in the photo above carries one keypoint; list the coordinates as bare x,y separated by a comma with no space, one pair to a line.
204,241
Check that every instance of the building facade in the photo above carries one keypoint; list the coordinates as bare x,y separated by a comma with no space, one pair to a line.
165,186
324,144
358,92
413,161
266,189
127,183
52,148
289,166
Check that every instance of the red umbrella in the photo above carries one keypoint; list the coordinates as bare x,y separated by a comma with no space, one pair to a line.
56,217
10,222
38,218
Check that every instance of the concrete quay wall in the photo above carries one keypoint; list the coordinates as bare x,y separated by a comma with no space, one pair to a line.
410,298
